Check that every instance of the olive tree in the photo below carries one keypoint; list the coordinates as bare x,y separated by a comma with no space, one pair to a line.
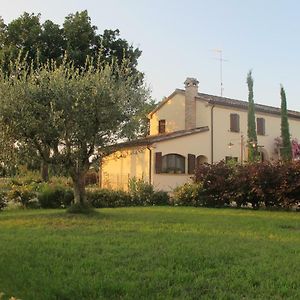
70,115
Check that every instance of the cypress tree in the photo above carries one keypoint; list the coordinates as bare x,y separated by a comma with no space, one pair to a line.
286,151
252,137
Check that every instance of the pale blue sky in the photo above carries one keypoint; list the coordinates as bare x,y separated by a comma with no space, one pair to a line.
176,38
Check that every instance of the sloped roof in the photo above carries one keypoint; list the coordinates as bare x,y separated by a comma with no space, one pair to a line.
159,138
244,105
229,102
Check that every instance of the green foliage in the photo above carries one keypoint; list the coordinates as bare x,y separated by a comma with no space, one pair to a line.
160,198
188,194
51,196
72,114
252,137
49,41
140,191
286,150
258,184
8,153
216,180
80,208
3,201
21,196
100,198
43,46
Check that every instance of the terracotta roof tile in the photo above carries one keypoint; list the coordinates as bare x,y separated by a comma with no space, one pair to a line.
151,139
244,105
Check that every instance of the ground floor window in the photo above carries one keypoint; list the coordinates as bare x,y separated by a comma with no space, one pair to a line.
173,163
231,159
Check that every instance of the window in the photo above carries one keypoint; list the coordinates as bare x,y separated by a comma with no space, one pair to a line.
260,125
161,126
173,163
234,123
231,159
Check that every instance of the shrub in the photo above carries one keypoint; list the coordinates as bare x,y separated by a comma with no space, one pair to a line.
217,181
20,196
188,194
140,191
259,184
33,203
3,201
160,198
55,196
100,198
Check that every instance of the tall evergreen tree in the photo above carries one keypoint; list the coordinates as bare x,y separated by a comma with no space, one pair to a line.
252,137
286,151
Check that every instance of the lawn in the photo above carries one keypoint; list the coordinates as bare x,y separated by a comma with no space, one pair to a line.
151,252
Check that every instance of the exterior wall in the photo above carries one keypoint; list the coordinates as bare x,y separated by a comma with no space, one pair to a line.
223,136
120,166
197,144
173,112
202,113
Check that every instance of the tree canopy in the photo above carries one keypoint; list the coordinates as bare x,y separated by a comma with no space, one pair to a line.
252,137
286,150
77,37
77,40
70,116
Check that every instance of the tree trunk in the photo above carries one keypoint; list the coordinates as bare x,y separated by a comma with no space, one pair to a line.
79,188
44,171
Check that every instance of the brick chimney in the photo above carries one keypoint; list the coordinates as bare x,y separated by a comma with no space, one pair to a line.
191,91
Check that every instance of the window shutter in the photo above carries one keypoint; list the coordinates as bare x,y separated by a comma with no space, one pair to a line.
234,122
158,162
237,123
191,163
260,122
161,126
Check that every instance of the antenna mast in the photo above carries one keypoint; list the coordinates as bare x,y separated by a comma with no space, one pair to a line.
220,59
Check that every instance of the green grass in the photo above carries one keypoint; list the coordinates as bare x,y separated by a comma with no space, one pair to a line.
150,253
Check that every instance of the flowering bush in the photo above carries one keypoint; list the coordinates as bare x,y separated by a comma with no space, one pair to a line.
188,194
217,183
259,184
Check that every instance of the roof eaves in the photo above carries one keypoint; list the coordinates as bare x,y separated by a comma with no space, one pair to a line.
244,105
159,138
164,101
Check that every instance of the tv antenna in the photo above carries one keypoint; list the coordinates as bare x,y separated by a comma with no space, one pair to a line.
221,60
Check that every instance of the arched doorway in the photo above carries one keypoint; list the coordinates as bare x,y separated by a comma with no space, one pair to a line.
263,155
201,159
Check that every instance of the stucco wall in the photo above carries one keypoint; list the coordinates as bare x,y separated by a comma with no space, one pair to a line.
173,112
223,136
197,144
202,113
122,165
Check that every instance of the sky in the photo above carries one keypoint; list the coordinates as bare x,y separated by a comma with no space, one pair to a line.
178,38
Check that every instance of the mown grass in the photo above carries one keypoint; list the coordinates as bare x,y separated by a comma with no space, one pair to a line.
150,253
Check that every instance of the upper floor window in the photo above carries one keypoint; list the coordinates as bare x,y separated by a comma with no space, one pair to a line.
260,125
173,163
234,123
161,126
